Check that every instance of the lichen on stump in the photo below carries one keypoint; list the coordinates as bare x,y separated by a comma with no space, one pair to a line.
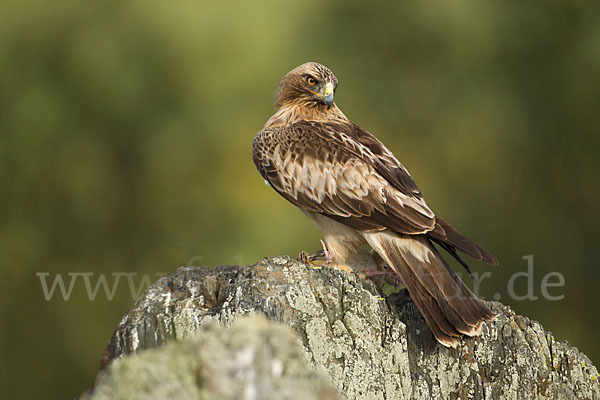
370,346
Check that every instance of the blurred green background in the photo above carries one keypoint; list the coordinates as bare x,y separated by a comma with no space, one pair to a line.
126,131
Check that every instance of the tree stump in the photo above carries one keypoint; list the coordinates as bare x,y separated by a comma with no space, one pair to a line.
369,345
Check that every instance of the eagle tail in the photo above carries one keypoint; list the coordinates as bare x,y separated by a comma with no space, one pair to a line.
448,306
445,233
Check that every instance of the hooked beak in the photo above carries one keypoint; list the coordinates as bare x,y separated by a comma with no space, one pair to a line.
327,95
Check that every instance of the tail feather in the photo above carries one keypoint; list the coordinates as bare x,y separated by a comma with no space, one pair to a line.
431,310
444,232
435,290
434,276
448,306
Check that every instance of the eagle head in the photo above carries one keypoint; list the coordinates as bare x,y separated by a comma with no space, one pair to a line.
310,84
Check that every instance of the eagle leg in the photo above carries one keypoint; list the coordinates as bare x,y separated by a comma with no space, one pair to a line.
328,256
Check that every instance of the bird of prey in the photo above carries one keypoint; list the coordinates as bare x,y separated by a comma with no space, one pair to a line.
360,195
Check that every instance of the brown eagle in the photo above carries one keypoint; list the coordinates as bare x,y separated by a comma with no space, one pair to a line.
359,194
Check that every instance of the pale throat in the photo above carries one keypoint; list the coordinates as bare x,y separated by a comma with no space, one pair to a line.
289,114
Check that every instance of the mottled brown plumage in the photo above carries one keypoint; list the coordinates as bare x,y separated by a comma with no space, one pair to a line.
359,194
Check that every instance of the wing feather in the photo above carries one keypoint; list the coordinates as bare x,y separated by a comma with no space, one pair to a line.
324,167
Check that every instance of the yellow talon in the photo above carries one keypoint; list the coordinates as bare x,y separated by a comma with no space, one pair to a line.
344,268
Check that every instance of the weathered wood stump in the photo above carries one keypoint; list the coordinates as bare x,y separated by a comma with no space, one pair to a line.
370,346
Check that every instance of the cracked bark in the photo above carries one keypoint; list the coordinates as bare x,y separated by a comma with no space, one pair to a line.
369,346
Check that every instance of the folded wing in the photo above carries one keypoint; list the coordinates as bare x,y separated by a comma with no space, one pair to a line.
323,168
347,174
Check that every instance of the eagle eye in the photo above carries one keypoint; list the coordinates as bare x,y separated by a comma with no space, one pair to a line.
311,81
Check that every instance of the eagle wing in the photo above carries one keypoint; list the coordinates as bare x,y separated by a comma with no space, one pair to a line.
443,233
343,172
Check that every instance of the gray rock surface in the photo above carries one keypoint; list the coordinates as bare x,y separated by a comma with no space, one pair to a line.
254,359
371,347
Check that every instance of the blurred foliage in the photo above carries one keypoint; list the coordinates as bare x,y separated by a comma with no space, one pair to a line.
125,146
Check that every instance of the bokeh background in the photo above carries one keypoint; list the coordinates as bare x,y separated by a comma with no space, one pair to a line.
126,131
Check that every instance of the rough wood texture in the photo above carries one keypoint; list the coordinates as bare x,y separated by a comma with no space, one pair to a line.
369,346
253,359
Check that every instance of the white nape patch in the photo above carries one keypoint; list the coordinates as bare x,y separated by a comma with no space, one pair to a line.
267,183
